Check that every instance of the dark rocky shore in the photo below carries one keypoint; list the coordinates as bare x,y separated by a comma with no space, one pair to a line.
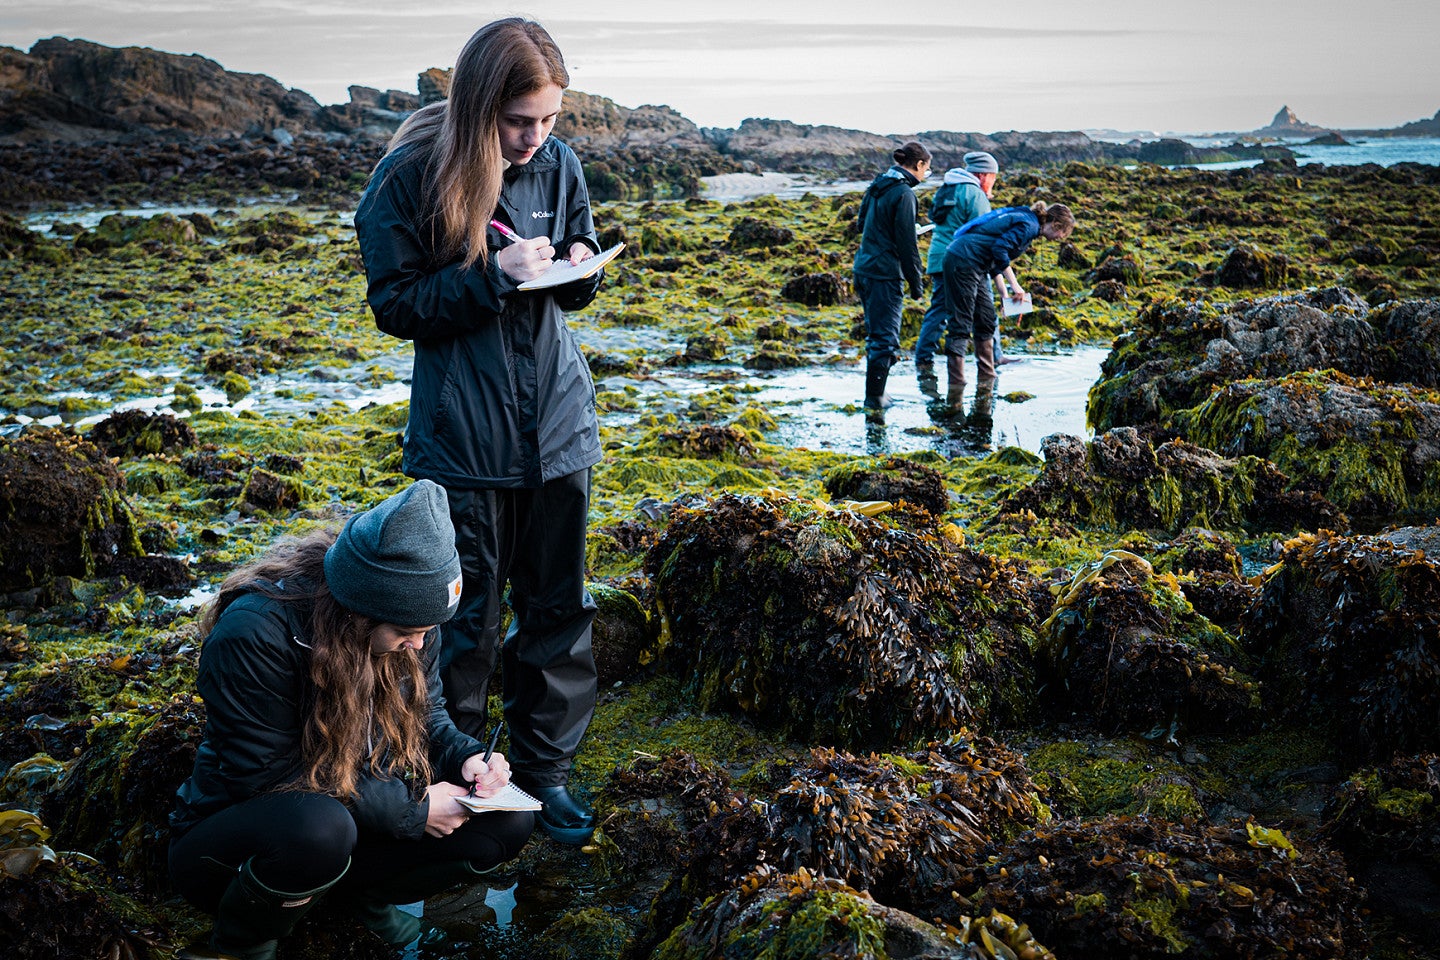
1173,689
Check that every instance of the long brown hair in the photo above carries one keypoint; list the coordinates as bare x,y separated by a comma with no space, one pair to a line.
1056,213
505,59
368,710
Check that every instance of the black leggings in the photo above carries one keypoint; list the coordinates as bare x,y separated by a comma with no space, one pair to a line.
300,842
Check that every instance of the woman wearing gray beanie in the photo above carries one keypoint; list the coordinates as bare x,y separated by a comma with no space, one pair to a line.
329,765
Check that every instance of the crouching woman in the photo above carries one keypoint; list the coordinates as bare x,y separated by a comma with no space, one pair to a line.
329,765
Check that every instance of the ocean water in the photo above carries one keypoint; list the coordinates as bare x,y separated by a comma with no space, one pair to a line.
1384,151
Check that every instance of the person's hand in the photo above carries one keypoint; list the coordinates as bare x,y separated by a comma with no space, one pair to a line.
1018,295
488,778
445,815
526,259
580,251
916,291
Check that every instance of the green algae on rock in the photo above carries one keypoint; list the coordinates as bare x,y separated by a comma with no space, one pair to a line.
1346,631
1125,650
827,624
63,507
1120,480
1133,888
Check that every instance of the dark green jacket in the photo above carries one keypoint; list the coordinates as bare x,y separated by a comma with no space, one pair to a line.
255,679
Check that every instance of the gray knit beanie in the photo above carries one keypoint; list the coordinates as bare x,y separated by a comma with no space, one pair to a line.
397,561
978,161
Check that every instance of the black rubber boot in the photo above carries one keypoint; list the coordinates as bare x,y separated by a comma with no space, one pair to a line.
565,818
877,373
252,918
376,904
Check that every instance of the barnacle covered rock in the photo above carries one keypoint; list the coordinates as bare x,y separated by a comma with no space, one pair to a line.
893,479
1412,328
832,626
799,917
1370,448
1347,631
1387,822
1124,649
1135,888
1178,352
1120,480
62,509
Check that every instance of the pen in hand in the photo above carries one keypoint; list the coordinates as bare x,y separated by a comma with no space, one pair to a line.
505,231
489,751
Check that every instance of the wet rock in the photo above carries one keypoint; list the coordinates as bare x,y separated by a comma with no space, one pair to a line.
135,433
1370,448
751,232
1412,329
62,510
620,632
1120,480
830,625
118,799
829,918
269,491
1195,550
1122,269
707,347
706,442
157,573
1386,820
898,480
1347,633
817,289
772,355
1069,257
117,230
1248,266
1371,254
1111,291
1179,353
1125,652
1134,888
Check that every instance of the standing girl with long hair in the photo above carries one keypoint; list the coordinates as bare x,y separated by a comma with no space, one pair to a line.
473,198
329,766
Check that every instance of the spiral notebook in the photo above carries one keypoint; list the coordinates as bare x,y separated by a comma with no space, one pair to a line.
563,271
510,798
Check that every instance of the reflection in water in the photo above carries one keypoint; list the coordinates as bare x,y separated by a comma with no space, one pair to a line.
819,407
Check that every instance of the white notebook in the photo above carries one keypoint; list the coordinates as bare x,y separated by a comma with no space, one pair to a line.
510,798
563,271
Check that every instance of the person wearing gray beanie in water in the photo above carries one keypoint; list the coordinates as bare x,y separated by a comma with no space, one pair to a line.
329,765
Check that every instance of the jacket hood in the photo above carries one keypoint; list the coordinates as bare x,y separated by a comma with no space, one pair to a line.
958,175
890,178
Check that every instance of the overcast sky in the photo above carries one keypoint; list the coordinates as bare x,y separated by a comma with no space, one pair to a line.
1177,65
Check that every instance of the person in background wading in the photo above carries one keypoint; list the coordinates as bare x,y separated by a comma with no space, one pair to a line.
888,262
461,210
963,196
985,248
328,765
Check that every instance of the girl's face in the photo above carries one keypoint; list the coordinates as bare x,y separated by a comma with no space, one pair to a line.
392,638
1054,231
526,121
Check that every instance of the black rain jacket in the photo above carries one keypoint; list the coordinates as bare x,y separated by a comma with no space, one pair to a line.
254,676
501,395
888,247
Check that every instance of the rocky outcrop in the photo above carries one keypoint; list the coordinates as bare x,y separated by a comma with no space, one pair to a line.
1287,124
76,90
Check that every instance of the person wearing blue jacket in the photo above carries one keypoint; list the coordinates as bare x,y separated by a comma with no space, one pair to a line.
963,195
983,248
887,262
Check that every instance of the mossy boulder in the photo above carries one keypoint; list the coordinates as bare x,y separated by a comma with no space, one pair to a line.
1135,888
831,625
135,433
1247,266
271,492
1412,330
708,347
1179,352
751,232
1120,480
62,509
1093,777
1126,651
1386,820
1370,448
619,633
1347,634
117,230
892,479
817,289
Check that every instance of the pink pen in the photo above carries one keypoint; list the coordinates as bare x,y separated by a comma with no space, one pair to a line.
505,231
